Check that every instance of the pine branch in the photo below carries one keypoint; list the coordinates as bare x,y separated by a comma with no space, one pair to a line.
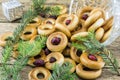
38,6
93,46
63,73
26,48
27,17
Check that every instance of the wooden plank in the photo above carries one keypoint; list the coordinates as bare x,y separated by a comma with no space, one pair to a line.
27,3
106,74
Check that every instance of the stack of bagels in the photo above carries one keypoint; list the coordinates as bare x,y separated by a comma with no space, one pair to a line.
61,32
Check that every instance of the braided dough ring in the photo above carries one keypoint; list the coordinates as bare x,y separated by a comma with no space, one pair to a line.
71,62
87,74
74,55
90,63
33,74
41,56
46,29
99,34
4,37
82,34
28,33
59,59
62,44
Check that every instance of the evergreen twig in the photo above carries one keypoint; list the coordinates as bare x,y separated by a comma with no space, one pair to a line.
63,72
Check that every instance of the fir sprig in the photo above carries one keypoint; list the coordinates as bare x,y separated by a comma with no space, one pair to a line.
39,7
27,48
63,72
93,46
27,17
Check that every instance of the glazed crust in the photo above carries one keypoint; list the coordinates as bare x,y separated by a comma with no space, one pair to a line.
71,62
59,60
82,34
73,54
63,43
93,74
3,38
34,72
99,33
31,32
46,29
92,64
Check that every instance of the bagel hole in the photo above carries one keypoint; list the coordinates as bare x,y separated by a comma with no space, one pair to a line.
48,22
40,75
37,57
68,22
27,33
78,52
55,40
32,21
52,60
7,39
87,69
85,16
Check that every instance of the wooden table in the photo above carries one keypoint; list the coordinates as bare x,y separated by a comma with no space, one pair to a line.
8,26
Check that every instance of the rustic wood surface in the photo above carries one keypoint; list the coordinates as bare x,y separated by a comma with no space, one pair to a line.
5,26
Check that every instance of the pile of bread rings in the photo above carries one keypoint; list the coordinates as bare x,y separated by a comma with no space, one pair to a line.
60,33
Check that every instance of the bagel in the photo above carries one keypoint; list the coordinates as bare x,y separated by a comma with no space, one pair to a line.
91,19
72,62
63,29
84,13
87,74
95,63
106,35
41,72
75,54
68,21
71,22
40,56
57,41
4,37
96,25
98,9
46,29
54,58
35,22
28,32
99,34
108,23
80,34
